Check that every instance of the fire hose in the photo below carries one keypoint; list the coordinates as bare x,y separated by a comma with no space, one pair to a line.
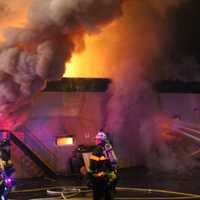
187,129
67,193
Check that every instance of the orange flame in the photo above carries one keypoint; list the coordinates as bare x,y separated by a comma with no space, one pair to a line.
102,51
92,61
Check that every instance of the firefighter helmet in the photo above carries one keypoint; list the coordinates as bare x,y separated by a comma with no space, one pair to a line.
101,136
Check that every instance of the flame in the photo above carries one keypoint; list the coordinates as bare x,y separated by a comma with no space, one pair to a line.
101,51
92,61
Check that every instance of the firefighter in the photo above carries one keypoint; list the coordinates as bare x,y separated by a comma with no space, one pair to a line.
6,169
5,153
2,183
101,173
102,139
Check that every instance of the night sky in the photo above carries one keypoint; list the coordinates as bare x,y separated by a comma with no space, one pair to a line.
183,50
186,29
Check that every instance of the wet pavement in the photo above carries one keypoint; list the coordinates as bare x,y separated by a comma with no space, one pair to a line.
134,183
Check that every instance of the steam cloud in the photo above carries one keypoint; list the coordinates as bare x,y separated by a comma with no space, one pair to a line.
37,52
133,110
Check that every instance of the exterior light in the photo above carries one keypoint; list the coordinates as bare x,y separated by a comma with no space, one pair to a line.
67,140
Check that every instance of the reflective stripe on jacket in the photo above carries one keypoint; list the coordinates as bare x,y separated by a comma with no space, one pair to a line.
99,166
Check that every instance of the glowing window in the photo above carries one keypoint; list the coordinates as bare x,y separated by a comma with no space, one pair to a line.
68,140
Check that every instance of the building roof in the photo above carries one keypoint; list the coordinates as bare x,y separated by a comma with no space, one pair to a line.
177,87
78,85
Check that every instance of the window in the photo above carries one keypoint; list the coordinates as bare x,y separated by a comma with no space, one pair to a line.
64,140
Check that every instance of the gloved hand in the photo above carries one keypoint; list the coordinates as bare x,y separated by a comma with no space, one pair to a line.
112,176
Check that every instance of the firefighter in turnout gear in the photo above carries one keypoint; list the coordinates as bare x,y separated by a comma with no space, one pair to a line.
102,139
101,172
6,169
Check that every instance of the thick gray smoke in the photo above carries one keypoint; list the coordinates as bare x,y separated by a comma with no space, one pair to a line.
37,52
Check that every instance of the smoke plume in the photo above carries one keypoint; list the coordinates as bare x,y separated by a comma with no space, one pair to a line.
36,52
145,51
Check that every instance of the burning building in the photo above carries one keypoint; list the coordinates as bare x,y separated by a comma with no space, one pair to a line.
131,42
